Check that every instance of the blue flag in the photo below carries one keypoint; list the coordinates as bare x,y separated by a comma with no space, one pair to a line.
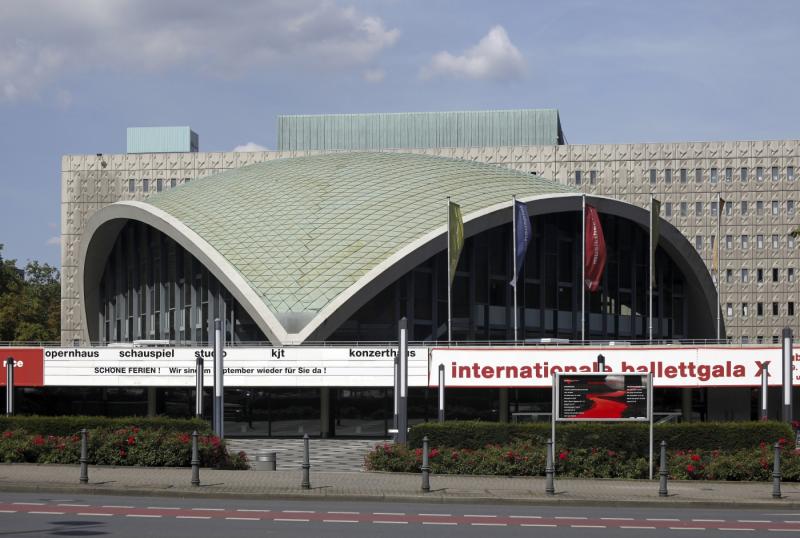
524,232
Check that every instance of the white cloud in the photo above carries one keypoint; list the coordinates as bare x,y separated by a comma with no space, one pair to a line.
43,39
374,75
55,240
250,146
494,57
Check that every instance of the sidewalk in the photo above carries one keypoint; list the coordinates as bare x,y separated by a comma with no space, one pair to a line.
389,487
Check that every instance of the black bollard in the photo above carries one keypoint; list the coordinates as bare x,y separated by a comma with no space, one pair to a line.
549,469
306,483
776,473
662,485
426,467
84,457
195,461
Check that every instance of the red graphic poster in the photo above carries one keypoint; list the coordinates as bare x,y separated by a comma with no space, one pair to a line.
602,397
595,249
28,366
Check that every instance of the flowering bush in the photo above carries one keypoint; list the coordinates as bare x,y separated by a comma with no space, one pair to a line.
121,446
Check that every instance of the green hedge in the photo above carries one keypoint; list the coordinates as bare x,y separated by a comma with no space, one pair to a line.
622,437
67,425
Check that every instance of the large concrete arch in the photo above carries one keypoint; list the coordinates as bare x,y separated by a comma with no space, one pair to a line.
104,226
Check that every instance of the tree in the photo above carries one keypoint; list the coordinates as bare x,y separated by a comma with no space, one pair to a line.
29,301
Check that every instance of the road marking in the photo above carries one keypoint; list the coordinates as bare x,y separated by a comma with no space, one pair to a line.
687,528
340,521
388,513
436,515
570,517
733,529
489,524
209,509
113,506
588,526
475,515
536,525
754,521
251,510
79,505
634,527
791,521
94,514
298,511
392,522
42,504
525,517
783,530
290,519
661,519
438,523
47,513
244,518
346,513
616,518
8,511
709,520
160,507
141,515
192,517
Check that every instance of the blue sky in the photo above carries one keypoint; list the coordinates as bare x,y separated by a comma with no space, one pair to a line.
74,74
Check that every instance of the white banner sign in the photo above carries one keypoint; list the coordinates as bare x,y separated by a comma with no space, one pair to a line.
244,367
671,367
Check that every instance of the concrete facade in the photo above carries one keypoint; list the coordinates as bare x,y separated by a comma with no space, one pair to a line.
759,233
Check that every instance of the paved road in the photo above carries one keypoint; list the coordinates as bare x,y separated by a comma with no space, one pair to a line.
43,514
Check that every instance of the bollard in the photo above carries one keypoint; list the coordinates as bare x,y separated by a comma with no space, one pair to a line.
549,469
776,473
662,485
195,461
426,467
84,457
306,484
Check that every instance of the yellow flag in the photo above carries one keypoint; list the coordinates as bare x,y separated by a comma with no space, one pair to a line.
456,234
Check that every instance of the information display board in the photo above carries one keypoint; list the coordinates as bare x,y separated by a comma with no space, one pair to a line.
602,397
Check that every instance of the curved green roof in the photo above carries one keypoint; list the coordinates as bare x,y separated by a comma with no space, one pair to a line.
302,230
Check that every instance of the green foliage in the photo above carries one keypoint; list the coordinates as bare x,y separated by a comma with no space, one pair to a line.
619,437
156,447
30,305
69,425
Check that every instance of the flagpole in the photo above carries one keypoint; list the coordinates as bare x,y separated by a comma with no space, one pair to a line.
514,259
719,264
449,281
652,273
583,267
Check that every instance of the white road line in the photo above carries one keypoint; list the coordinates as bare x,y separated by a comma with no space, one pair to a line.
525,517
570,517
438,523
8,511
79,505
192,517
733,529
537,525
298,511
251,510
209,509
791,521
709,520
388,513
661,519
489,524
634,527
346,513
163,508
783,530
141,515
687,528
115,506
244,518
42,504
47,513
391,522
436,515
588,526
94,514
477,515
616,518
340,521
754,521
291,519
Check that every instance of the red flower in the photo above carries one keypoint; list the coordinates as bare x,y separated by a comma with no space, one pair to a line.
38,440
214,440
690,468
611,453
762,445
122,453
454,456
7,434
433,453
184,438
131,440
135,430
781,441
695,457
510,455
418,452
562,456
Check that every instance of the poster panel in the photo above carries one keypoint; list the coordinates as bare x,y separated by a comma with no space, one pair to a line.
244,367
608,397
670,366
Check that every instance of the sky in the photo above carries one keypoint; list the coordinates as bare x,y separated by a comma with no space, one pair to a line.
75,73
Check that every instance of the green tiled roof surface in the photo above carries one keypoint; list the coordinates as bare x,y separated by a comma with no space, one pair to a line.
303,230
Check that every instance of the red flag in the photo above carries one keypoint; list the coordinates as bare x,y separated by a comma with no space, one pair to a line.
595,253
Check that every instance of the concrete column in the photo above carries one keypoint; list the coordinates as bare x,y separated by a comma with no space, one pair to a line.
151,401
686,404
325,412
503,405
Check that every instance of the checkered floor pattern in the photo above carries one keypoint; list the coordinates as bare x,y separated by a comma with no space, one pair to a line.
325,454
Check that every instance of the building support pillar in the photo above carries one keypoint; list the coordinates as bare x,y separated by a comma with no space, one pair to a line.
151,401
686,404
325,412
503,405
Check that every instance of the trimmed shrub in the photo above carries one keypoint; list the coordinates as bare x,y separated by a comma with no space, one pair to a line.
67,425
620,437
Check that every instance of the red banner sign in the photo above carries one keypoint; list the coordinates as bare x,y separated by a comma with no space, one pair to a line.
28,366
595,249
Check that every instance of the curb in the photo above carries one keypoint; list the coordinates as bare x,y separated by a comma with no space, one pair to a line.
432,497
